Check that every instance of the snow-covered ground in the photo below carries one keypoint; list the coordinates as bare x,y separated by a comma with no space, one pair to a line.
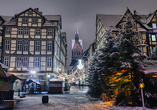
75,100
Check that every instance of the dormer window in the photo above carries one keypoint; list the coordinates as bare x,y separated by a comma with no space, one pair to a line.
34,21
24,20
154,25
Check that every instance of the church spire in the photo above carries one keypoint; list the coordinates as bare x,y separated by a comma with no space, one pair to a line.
76,30
76,34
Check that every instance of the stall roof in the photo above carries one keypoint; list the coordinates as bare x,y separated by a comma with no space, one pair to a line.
57,79
32,80
150,67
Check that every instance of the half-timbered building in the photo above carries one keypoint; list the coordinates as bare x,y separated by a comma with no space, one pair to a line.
33,47
146,25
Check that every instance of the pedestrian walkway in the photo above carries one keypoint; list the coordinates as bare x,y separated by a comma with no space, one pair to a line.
75,100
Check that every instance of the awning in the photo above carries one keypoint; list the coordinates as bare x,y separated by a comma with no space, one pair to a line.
150,67
4,66
32,80
2,74
7,75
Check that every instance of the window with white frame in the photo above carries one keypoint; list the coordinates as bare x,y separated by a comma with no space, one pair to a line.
8,30
154,25
37,62
49,32
20,31
25,61
24,20
49,61
37,45
26,31
153,38
34,21
49,45
37,32
7,44
25,45
6,60
19,45
19,62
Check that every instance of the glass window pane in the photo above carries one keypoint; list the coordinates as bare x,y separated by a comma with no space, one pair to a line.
153,38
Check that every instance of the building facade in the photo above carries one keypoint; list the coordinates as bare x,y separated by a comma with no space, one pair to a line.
145,25
33,47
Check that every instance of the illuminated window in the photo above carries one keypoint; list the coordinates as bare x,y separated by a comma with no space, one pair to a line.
153,38
154,25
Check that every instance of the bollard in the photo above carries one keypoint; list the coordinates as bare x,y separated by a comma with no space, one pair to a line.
19,92
45,99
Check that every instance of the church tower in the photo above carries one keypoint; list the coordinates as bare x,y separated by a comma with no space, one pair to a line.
77,49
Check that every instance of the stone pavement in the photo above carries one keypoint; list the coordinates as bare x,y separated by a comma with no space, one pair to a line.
75,100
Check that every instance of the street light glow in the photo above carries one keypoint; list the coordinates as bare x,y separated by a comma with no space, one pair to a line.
48,75
33,72
80,66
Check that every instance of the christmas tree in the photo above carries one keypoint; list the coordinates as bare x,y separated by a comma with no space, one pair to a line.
95,89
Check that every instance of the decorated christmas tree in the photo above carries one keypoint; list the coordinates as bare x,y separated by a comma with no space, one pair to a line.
130,58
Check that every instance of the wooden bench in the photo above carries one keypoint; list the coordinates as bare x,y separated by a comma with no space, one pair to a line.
7,104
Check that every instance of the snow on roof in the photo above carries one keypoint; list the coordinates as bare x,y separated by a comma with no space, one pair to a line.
57,79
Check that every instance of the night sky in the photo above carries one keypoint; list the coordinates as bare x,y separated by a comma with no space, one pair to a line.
82,12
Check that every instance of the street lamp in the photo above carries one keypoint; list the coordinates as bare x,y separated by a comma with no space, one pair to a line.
80,66
48,75
141,85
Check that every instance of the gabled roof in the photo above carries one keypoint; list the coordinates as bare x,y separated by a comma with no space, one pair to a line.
29,9
53,17
127,11
6,20
112,21
47,18
149,19
109,20
48,23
